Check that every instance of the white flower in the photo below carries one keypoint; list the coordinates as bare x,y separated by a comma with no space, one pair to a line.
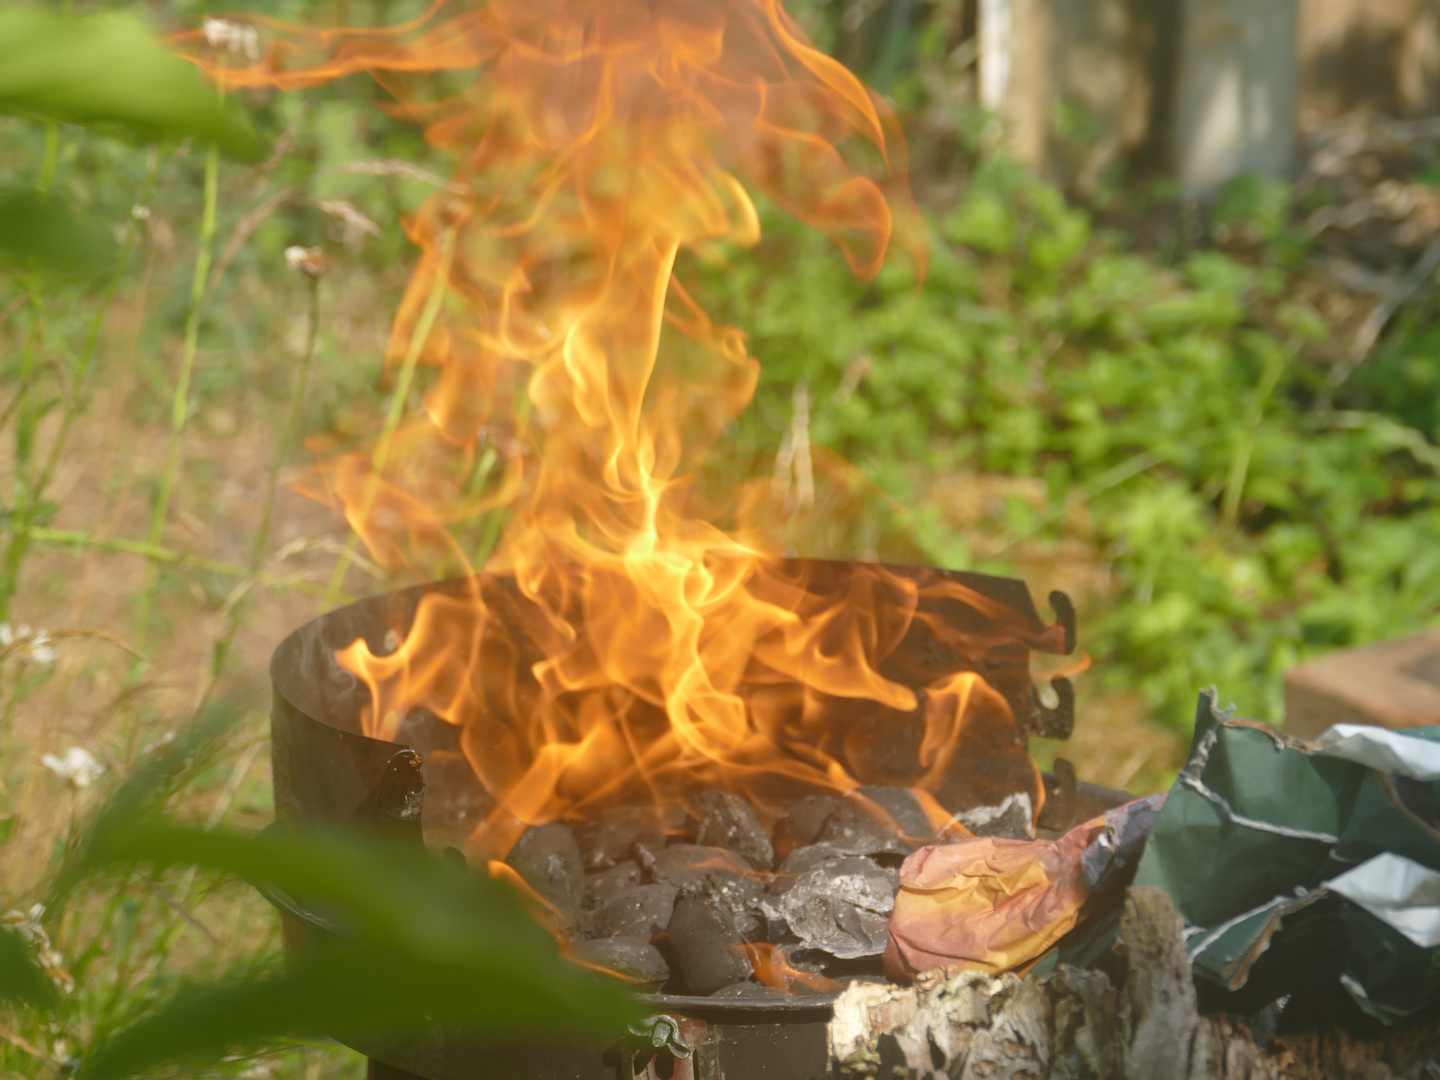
79,767
27,644
307,260
233,37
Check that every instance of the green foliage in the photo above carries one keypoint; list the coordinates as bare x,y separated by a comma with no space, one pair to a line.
1247,523
20,979
44,231
418,941
108,69
425,942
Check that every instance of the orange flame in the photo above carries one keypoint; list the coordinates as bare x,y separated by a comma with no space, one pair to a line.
772,969
630,638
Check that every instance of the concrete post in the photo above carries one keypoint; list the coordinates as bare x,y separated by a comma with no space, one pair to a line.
1236,91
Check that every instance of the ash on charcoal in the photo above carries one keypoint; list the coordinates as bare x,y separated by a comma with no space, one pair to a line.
725,820
641,912
748,991
713,871
548,858
635,958
609,836
801,824
877,821
808,858
705,948
841,907
604,886
1012,819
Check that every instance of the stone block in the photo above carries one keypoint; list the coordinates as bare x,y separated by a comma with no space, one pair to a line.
1393,684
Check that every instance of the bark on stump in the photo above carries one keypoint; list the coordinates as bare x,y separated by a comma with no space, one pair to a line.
1078,1025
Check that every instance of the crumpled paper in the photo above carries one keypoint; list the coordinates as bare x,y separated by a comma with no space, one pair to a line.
997,905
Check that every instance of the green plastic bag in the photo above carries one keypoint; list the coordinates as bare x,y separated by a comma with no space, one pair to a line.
1295,864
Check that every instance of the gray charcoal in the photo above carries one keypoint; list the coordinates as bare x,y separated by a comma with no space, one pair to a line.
705,948
748,991
604,886
548,858
715,871
641,912
1012,819
842,907
610,836
801,824
688,864
876,820
807,858
632,957
728,821
904,810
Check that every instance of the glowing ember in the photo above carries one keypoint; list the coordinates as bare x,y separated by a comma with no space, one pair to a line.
631,641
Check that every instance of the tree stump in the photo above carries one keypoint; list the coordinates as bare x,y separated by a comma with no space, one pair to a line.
1080,1025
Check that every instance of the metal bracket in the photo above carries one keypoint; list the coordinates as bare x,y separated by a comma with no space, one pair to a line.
659,1047
1065,616
660,1032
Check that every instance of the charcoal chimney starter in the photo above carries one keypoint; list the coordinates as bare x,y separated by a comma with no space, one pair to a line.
327,770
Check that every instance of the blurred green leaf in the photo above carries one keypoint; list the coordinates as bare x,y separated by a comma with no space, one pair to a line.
20,979
47,233
426,943
107,68
158,776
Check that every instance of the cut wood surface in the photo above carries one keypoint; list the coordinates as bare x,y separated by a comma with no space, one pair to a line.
1080,1025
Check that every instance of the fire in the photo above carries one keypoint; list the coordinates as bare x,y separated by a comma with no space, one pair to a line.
629,639
772,969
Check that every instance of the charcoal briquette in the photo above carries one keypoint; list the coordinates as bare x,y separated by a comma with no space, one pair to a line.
604,885
904,809
1011,819
547,857
609,836
641,912
633,957
841,907
687,864
717,873
801,824
704,947
877,821
806,858
723,819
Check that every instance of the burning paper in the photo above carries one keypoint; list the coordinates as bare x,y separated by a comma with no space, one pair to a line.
997,905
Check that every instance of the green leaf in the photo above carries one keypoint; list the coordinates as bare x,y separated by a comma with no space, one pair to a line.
107,68
982,221
425,944
20,979
45,232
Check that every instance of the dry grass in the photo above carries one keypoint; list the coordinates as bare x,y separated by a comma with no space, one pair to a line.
127,938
